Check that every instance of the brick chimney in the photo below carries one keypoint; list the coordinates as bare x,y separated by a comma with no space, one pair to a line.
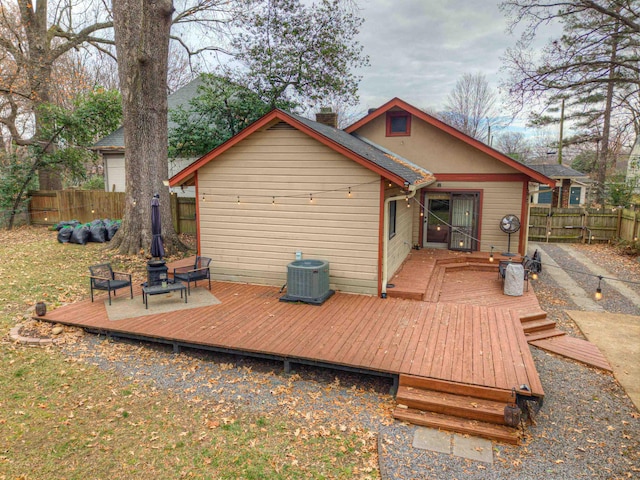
327,116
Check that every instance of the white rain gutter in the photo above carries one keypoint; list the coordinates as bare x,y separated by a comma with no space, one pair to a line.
385,235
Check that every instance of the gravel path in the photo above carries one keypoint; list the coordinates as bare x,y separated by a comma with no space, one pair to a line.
587,428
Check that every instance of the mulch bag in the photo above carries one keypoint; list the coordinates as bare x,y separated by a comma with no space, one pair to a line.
80,235
98,233
112,228
70,223
64,234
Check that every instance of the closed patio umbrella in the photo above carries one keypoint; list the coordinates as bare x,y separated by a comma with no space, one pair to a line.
157,248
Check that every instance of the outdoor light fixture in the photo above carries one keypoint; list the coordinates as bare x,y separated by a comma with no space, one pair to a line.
311,198
238,199
598,294
165,183
491,255
273,201
349,194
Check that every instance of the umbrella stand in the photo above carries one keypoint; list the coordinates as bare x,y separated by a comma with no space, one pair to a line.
156,268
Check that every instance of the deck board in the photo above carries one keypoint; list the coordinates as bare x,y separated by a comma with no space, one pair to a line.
474,337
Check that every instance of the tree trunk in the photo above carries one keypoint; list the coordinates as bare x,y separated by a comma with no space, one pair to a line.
601,175
142,45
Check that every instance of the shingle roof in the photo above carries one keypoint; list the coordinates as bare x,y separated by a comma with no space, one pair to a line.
383,158
180,97
388,165
557,171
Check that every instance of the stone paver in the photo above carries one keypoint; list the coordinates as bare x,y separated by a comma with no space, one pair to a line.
432,439
471,448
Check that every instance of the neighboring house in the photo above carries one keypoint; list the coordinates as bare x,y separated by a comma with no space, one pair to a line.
570,189
112,148
359,198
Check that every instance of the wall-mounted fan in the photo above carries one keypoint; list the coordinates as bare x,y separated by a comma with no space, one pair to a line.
509,224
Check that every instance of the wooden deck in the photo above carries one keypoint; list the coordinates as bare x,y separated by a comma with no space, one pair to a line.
460,342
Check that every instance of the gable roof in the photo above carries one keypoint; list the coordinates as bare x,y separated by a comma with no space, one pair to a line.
557,171
439,124
181,97
394,168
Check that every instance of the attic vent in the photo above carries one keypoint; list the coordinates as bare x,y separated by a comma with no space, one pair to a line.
308,282
281,126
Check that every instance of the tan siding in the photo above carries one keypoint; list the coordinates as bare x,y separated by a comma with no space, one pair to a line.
254,240
498,199
400,244
433,149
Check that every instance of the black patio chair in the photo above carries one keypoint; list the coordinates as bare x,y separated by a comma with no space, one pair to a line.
192,273
104,278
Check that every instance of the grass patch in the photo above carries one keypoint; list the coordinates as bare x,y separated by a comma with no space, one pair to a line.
63,418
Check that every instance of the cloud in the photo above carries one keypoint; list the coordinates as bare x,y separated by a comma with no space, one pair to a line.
419,48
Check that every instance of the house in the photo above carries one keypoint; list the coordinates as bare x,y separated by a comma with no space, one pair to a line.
112,148
570,189
362,198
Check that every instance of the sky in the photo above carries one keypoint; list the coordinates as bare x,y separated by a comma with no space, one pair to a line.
418,49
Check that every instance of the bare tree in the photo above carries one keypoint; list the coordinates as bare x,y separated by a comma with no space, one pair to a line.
593,66
515,145
471,106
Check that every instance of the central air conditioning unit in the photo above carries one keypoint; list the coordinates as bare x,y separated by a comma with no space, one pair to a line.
308,282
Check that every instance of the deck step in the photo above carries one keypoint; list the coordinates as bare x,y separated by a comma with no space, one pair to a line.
463,389
472,408
575,349
538,325
490,431
542,334
530,317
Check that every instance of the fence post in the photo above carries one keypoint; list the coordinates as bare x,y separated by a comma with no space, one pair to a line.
619,225
175,214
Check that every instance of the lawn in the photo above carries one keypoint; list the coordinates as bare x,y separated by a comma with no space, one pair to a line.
64,417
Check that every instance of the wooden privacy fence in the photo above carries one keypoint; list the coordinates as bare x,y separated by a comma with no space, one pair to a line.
51,207
587,225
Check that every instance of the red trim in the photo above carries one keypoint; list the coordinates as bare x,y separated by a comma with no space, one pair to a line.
197,215
481,177
381,234
397,103
284,117
391,115
524,217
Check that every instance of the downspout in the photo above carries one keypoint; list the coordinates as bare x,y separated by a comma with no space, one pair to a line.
385,234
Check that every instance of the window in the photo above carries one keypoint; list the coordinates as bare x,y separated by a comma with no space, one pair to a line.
544,196
392,219
398,124
574,196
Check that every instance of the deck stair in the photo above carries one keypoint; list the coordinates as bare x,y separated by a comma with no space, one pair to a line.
542,333
465,409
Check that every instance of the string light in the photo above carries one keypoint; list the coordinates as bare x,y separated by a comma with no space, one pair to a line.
461,243
311,198
204,199
273,202
534,275
491,254
238,199
598,294
93,210
349,194
438,228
